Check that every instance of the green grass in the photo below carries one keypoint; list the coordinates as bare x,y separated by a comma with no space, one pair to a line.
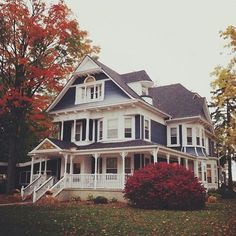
216,219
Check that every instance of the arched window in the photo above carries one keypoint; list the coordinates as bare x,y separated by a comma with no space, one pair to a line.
89,79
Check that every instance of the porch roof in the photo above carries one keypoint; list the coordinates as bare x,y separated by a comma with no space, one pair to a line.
131,143
63,144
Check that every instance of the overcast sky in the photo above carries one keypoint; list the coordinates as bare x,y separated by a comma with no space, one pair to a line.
174,41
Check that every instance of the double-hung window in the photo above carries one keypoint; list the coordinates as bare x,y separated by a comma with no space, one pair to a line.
203,138
100,129
189,136
146,129
78,131
173,135
111,165
112,128
209,177
198,136
128,127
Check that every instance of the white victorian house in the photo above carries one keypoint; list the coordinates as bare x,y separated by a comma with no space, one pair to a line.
107,125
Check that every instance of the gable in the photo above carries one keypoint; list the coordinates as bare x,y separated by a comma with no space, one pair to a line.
87,65
112,94
46,146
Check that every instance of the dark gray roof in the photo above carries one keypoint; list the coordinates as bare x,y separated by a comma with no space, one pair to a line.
135,76
132,143
177,101
117,78
63,144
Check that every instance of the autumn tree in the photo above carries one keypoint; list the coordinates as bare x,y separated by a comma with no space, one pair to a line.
224,102
39,46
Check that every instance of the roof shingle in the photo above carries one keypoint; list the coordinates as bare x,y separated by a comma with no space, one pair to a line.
177,101
135,76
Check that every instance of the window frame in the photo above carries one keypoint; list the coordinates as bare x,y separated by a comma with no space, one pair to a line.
83,92
198,136
187,142
117,128
131,127
176,137
100,132
112,169
81,131
209,171
128,165
149,128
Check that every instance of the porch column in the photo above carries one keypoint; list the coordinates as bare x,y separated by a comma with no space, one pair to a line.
196,168
45,166
62,129
202,165
87,130
154,153
93,138
71,164
123,155
95,169
186,163
40,166
65,169
168,158
179,160
32,169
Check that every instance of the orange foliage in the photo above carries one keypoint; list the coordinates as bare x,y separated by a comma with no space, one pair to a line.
39,46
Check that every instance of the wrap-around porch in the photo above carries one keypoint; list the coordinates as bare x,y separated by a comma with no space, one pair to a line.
106,170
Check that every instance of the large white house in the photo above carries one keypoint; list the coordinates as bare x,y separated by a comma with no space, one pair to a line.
107,125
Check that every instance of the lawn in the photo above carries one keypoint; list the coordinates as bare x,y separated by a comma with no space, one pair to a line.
79,219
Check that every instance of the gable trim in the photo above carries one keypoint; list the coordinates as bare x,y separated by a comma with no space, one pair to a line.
35,150
72,79
112,79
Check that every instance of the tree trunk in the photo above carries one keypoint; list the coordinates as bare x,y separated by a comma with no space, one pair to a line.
230,179
11,170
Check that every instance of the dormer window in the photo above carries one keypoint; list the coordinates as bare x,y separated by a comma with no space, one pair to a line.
90,91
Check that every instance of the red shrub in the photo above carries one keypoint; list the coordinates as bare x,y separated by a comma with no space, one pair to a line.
165,186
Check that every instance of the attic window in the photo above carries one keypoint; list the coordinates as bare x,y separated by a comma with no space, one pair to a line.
90,91
89,79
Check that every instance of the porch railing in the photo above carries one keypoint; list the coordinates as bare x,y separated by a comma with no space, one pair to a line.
41,190
59,186
109,181
28,190
83,181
